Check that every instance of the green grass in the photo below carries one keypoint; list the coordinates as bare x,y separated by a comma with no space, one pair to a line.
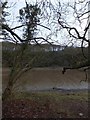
56,96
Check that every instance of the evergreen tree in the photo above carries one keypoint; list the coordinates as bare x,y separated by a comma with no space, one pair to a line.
3,18
29,17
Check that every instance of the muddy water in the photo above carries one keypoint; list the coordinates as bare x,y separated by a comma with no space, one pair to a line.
48,78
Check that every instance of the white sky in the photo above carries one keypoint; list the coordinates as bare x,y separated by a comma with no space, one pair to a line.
21,3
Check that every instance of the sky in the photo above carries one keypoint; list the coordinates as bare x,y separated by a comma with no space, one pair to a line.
17,4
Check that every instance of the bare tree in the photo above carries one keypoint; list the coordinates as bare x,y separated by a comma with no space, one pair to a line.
81,16
54,19
73,19
29,19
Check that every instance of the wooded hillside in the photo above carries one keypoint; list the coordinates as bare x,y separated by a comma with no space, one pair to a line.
45,55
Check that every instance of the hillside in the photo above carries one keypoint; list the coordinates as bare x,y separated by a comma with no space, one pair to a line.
45,55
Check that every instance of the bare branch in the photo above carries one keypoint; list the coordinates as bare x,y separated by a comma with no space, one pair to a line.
44,26
86,29
84,67
43,39
84,14
25,25
76,31
6,27
17,27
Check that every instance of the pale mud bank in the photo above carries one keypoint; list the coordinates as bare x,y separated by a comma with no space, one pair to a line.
48,78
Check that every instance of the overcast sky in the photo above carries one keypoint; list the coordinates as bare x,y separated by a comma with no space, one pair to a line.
17,4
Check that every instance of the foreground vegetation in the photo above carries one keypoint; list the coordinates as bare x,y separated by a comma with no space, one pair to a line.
47,105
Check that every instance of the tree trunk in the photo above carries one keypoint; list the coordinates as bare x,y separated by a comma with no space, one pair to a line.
7,92
89,62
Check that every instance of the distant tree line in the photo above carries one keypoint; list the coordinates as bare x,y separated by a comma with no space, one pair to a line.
68,57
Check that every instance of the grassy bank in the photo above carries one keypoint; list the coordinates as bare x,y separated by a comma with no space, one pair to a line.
47,105
56,95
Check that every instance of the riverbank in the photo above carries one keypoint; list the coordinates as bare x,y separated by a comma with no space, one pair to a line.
47,93
49,104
